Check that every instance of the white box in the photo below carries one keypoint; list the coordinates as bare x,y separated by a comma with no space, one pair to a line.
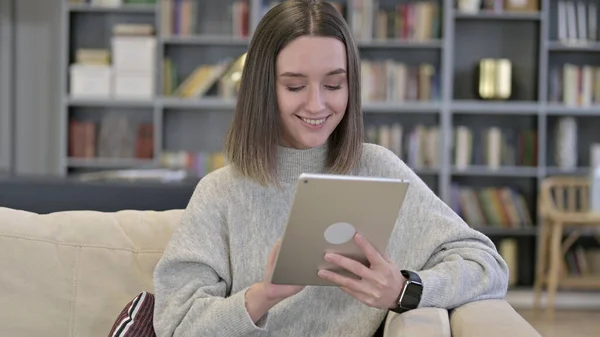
133,85
109,3
90,81
134,53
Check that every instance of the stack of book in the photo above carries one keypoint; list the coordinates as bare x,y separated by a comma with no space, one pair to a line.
418,146
225,75
114,136
392,81
195,163
494,147
180,18
575,84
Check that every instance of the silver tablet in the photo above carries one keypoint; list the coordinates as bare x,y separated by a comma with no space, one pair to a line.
326,213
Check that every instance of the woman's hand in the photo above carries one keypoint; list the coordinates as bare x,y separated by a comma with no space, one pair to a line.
379,285
261,297
277,292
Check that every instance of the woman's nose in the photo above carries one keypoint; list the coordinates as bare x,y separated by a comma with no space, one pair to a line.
315,102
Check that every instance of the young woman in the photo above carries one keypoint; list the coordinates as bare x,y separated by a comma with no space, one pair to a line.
299,110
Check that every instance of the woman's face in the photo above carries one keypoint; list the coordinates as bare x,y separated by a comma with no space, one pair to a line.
312,90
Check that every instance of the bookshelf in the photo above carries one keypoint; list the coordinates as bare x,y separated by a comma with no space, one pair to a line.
533,41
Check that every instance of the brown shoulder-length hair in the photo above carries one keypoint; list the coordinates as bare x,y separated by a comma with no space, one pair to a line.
252,139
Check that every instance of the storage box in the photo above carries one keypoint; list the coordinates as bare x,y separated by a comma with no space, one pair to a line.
90,81
133,85
134,53
108,3
522,5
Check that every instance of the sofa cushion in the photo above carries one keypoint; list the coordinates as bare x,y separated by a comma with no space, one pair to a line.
490,318
70,273
136,319
431,322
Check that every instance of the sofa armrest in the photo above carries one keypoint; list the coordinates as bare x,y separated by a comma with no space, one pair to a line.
424,322
490,318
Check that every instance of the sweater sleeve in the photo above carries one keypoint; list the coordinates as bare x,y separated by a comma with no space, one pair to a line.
457,264
192,280
463,264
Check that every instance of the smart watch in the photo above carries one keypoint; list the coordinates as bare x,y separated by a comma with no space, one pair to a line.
410,297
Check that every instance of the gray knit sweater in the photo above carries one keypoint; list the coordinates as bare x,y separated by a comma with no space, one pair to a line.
221,246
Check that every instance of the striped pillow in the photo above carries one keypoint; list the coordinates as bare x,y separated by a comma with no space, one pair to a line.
136,319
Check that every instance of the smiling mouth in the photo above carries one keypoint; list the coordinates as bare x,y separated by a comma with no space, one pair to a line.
313,121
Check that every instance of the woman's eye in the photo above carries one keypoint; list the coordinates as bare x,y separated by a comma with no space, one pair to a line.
328,87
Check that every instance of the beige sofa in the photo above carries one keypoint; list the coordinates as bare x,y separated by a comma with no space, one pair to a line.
71,273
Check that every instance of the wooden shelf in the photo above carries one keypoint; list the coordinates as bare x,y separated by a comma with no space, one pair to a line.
108,102
494,107
565,110
558,46
205,40
497,16
514,171
111,163
401,107
200,104
400,44
125,9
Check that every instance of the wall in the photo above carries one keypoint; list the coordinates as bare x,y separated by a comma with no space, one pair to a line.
6,78
33,97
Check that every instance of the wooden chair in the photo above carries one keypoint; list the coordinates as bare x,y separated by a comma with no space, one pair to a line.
563,210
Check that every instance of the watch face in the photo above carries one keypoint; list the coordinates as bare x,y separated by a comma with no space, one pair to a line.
412,295
413,288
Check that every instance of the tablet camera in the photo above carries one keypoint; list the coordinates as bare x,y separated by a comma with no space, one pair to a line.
339,233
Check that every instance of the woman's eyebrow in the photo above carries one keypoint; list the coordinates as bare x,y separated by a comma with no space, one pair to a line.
333,72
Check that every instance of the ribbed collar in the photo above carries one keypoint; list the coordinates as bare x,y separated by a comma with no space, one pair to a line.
292,162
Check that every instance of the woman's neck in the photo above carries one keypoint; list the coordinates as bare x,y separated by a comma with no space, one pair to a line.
292,162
